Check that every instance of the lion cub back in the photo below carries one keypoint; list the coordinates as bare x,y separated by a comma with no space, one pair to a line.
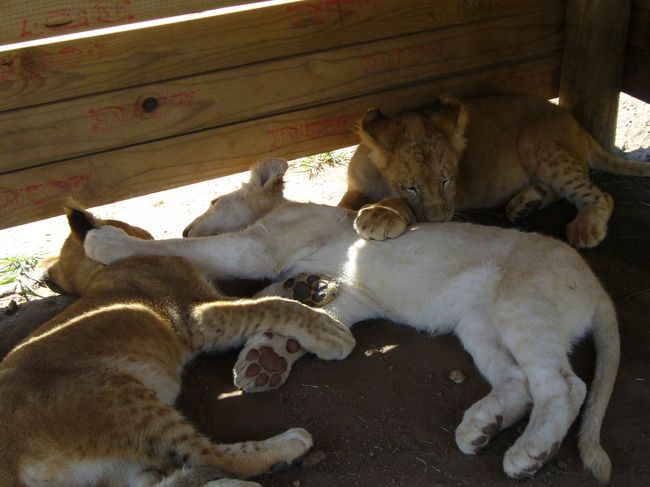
91,380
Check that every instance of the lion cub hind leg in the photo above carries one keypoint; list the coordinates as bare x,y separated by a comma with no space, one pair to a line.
557,394
589,227
265,362
569,178
167,435
251,458
529,200
313,289
508,401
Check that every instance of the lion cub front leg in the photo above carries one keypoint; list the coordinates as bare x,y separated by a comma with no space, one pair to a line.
267,358
353,200
529,200
222,325
387,218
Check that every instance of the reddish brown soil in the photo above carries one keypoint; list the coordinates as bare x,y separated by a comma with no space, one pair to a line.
387,419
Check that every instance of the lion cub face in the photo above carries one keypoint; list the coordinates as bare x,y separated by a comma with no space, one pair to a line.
417,153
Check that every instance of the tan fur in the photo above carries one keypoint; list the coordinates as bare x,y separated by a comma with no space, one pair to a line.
521,152
87,398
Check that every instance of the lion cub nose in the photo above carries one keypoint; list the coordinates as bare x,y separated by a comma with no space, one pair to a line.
437,213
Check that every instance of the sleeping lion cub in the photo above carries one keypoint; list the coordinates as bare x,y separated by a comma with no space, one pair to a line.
87,398
517,151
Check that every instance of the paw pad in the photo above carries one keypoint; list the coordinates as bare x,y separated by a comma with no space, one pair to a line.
265,362
312,289
266,366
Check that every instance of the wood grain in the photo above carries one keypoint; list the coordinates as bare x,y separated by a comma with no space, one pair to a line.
636,77
592,69
101,122
639,32
37,19
636,72
102,178
76,68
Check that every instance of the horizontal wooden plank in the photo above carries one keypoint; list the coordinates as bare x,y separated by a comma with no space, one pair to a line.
76,68
639,31
39,192
636,73
36,19
102,122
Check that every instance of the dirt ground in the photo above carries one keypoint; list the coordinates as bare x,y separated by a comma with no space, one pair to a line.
386,415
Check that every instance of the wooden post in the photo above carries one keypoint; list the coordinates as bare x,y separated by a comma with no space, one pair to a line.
592,68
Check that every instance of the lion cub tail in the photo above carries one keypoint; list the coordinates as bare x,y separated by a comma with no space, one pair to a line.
603,160
606,339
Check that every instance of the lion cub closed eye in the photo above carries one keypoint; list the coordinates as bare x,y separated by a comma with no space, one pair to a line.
87,398
521,152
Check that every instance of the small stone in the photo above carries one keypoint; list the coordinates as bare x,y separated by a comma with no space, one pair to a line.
457,376
296,483
11,308
313,458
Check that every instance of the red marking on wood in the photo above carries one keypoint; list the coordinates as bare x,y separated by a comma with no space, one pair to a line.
531,83
402,56
106,118
320,12
9,197
289,135
111,12
40,193
72,56
110,117
94,15
18,66
32,65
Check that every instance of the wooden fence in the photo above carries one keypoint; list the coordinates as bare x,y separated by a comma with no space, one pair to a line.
137,106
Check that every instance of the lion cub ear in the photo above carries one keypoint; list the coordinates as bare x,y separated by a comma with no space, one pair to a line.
269,174
80,221
376,130
449,115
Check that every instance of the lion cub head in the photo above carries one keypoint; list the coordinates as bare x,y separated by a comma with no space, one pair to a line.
72,271
417,153
234,211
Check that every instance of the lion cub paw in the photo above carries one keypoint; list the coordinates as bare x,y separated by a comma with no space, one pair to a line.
379,223
520,462
314,290
265,362
288,447
587,230
481,422
529,200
